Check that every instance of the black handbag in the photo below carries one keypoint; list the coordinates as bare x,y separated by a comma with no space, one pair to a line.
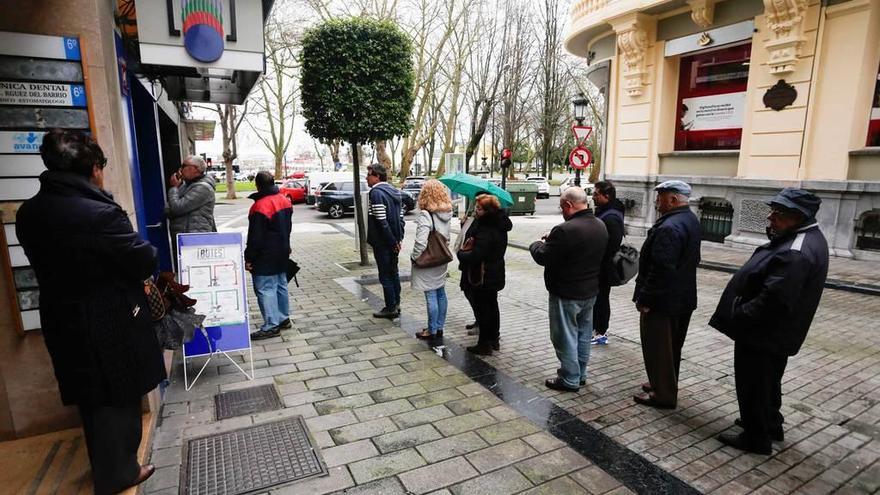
292,270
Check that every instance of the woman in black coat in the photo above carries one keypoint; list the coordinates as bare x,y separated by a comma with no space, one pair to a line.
95,319
482,265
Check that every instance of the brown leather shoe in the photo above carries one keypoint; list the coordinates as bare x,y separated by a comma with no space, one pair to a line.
646,387
146,471
651,401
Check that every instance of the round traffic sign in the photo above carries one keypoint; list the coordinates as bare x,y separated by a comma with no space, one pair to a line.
580,158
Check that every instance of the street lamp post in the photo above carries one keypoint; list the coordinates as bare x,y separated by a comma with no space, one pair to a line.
579,106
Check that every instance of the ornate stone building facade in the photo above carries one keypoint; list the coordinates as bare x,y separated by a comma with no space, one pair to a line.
741,98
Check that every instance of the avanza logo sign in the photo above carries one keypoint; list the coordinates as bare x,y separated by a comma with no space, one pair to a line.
203,34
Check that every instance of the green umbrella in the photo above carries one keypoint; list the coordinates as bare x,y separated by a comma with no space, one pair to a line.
469,186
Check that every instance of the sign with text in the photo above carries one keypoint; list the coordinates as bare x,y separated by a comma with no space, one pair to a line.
703,113
42,94
212,264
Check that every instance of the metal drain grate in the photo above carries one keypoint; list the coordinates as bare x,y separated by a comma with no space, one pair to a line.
250,459
246,401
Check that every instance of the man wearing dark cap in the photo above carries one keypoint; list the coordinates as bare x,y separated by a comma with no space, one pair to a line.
385,234
666,291
767,308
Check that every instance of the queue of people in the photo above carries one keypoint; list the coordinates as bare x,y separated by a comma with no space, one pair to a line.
106,355
766,309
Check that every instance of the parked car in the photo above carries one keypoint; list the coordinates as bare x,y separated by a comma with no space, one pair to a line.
569,181
295,190
337,198
543,185
413,186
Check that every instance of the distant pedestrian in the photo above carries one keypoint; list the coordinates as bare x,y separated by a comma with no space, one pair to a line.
270,221
385,235
94,315
190,200
666,291
435,212
767,308
482,265
572,257
610,210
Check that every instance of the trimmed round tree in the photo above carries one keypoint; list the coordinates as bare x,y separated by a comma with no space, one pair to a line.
357,86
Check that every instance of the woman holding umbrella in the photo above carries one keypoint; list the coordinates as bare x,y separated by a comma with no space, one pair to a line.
482,265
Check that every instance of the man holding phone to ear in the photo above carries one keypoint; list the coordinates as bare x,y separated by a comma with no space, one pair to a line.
190,200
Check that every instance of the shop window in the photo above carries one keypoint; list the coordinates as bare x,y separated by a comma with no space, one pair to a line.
716,219
712,99
874,123
868,231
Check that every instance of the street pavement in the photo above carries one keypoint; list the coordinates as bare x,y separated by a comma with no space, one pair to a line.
391,415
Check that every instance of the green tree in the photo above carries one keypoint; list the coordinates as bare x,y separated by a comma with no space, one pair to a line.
357,86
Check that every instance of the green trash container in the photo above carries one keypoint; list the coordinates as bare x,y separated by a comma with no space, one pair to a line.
524,195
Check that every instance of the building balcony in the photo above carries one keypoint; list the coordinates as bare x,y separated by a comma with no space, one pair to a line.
592,18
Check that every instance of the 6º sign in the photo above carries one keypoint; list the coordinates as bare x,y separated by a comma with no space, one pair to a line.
580,158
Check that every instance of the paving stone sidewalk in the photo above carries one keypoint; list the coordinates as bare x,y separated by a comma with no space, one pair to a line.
389,415
831,388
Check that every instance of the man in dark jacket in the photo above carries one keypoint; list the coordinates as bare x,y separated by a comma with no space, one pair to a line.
270,221
385,234
610,210
95,319
666,291
767,308
572,257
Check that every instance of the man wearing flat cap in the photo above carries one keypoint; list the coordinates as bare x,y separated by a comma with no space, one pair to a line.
767,308
666,291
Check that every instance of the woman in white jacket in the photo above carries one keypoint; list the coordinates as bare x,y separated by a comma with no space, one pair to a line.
435,212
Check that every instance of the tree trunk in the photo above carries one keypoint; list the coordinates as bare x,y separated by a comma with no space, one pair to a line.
382,155
279,167
358,204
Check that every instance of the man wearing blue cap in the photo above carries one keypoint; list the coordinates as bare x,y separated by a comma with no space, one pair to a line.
767,308
666,291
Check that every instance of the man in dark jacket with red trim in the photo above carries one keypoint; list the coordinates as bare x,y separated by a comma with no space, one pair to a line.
666,291
270,221
767,308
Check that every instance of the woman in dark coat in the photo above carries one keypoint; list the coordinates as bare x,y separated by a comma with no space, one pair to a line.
90,265
482,265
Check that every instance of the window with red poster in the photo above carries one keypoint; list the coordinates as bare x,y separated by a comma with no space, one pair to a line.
874,123
712,99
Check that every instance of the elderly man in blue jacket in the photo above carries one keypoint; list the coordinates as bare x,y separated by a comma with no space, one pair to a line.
767,308
666,291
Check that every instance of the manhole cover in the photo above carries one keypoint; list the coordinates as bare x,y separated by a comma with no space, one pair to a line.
246,401
249,459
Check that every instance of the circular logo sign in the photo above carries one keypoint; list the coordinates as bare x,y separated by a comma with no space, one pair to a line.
203,35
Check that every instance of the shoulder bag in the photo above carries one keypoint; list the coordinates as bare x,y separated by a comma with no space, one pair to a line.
436,252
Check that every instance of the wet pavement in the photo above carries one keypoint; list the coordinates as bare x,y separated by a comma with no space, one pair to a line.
346,372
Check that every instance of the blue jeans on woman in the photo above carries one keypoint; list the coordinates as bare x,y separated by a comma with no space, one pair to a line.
273,299
436,302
